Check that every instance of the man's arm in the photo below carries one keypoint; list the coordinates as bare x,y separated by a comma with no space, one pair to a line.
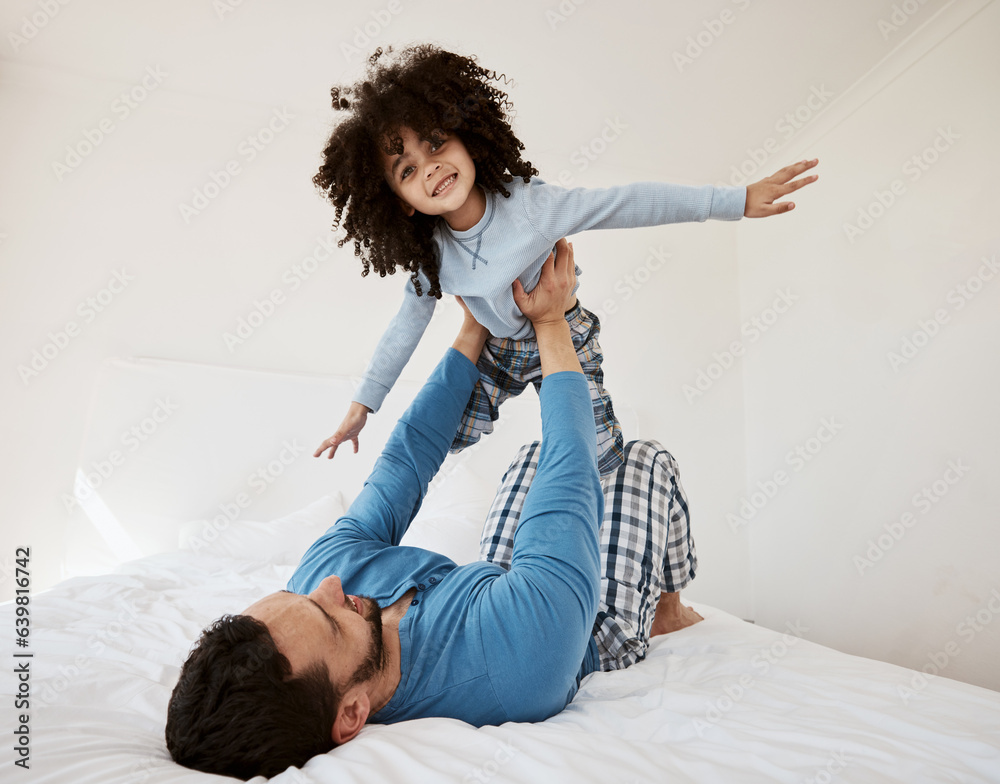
546,306
539,615
391,496
420,440
471,337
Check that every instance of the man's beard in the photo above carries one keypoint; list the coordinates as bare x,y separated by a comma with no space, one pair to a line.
374,661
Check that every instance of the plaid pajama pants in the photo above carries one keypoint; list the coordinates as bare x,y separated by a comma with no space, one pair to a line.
506,367
645,541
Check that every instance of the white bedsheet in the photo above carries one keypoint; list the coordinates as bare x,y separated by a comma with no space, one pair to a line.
721,701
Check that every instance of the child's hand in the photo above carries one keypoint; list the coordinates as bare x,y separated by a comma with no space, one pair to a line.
761,195
349,429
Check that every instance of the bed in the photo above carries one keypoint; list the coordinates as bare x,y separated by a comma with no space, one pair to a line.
172,546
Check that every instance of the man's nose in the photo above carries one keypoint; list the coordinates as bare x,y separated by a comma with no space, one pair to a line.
329,591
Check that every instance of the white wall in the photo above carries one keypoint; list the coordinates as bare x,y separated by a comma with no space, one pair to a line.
884,540
684,111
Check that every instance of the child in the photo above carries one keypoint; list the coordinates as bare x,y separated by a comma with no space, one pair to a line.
426,175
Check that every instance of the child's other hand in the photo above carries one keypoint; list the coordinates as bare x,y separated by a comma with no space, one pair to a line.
761,195
357,416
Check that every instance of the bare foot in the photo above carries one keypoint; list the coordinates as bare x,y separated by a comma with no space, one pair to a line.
671,615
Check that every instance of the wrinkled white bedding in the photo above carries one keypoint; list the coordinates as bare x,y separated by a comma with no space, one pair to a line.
721,701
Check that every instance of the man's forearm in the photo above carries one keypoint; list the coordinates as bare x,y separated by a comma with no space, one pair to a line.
555,347
471,339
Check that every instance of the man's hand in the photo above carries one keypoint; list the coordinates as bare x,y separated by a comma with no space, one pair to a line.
761,195
546,306
553,295
357,416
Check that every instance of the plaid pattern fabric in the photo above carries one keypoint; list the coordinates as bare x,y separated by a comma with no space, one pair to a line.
507,366
646,543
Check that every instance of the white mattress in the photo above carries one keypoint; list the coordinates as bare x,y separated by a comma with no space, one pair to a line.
723,700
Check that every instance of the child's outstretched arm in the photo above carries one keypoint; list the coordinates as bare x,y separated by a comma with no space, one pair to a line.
392,352
761,195
469,343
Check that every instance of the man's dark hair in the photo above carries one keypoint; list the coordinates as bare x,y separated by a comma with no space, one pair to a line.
428,90
238,711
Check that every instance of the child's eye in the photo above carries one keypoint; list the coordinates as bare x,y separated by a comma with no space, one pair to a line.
437,144
407,170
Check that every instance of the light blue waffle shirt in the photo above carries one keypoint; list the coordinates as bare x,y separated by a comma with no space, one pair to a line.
479,643
512,240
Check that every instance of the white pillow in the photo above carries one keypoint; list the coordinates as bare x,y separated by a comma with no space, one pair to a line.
450,520
283,541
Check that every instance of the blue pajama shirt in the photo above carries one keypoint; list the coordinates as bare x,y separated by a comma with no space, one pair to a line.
479,642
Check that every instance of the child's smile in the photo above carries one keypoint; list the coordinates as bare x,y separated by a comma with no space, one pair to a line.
436,178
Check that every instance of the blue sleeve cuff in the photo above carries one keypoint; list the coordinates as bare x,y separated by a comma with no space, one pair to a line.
728,203
370,393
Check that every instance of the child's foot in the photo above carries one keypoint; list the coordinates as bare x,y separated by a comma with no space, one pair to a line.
671,615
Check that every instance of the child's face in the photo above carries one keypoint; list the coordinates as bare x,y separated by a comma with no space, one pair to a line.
436,178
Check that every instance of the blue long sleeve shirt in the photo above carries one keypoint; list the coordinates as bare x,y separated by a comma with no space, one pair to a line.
479,643
512,240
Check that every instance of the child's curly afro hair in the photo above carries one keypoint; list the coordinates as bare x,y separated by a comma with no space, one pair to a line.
429,90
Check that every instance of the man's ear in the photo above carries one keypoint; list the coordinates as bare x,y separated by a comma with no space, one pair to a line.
351,716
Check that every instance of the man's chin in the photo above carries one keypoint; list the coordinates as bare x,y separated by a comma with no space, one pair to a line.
372,612
376,656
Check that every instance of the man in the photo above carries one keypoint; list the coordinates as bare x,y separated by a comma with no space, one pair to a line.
508,638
